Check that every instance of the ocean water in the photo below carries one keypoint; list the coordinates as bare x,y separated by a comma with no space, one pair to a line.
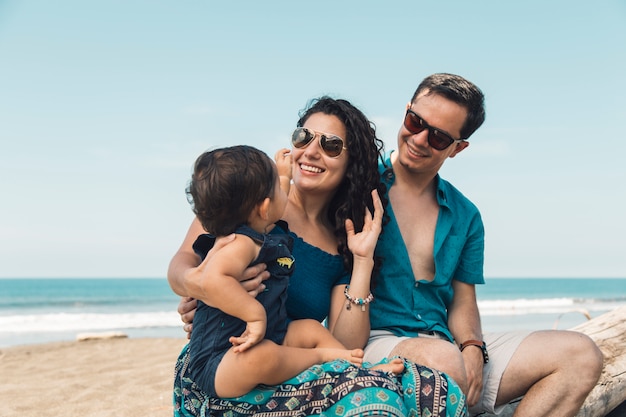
45,310
546,303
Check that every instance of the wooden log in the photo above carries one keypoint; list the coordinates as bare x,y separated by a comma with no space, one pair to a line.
609,333
82,337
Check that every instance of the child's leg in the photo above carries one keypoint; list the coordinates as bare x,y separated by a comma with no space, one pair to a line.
309,333
271,364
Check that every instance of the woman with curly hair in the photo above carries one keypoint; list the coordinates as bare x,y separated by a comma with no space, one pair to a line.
335,154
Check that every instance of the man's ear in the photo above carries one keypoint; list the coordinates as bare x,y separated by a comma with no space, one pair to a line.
263,208
459,147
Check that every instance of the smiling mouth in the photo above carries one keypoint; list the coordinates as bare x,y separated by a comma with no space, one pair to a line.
415,153
309,168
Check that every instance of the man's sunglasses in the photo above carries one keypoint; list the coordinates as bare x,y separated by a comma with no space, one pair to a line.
436,138
331,145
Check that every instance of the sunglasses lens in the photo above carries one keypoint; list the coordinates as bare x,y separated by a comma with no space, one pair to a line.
332,146
301,137
413,123
438,140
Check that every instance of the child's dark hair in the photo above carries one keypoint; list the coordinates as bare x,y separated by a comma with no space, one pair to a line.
227,184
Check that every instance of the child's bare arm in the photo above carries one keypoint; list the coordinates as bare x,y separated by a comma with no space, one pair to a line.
283,166
223,290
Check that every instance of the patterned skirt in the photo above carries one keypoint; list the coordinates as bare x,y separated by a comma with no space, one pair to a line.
337,389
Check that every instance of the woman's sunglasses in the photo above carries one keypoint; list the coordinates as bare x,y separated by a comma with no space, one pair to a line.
331,145
436,138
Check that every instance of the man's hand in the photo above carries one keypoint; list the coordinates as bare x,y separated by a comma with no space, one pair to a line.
473,359
187,309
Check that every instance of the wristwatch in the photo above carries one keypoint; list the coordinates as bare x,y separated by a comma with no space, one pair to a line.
479,344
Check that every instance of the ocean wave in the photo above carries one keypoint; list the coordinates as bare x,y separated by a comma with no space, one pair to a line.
48,321
69,322
7,303
521,306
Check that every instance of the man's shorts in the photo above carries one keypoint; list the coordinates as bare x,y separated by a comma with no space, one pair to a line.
501,347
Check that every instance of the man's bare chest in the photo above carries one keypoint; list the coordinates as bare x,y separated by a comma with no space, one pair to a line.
417,220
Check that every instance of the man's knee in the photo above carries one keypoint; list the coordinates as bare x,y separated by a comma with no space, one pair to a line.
590,358
580,359
435,353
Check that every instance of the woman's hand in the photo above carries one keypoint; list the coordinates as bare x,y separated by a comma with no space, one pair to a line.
363,244
351,326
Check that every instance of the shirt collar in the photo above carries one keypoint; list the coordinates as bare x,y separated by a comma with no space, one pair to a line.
388,177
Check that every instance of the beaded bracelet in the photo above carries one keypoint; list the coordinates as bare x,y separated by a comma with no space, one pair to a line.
357,301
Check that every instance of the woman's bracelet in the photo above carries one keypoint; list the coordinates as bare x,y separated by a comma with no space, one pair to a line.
357,301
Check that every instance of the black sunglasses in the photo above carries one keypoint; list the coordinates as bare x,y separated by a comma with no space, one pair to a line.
436,138
331,145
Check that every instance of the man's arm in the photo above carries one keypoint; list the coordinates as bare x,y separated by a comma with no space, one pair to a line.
464,324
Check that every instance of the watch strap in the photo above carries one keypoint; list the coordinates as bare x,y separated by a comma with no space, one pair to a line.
479,344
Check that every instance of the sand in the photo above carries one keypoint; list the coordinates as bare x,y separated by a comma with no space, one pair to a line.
115,377
110,377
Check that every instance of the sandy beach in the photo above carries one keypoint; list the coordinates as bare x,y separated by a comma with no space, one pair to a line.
96,378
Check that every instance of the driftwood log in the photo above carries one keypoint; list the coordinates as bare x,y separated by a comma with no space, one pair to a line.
609,333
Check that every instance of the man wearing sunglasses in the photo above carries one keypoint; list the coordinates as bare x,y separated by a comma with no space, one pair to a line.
432,250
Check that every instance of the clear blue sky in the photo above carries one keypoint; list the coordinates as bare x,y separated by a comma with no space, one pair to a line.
104,105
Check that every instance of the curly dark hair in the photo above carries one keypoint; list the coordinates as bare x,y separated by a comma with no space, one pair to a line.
226,185
364,151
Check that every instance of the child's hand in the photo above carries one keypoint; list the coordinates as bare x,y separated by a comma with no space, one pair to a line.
254,333
283,162
362,244
283,167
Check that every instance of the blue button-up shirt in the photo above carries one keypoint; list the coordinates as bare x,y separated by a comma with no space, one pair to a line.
406,306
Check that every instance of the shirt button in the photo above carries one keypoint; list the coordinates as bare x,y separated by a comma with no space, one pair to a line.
417,284
419,316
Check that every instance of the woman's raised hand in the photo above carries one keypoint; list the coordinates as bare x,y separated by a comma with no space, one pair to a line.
363,244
